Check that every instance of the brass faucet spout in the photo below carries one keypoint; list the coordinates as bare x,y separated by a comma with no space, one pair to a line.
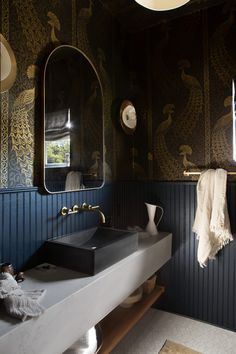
95,208
102,216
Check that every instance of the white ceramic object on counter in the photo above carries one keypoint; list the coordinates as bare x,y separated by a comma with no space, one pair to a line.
151,227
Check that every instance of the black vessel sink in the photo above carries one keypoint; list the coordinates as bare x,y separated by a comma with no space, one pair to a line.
92,250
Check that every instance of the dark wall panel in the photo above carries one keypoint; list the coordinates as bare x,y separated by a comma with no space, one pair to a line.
28,218
207,294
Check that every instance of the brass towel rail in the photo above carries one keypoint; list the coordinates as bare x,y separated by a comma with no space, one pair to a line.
194,173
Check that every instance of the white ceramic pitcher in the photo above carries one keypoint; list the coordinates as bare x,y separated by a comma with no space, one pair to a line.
151,227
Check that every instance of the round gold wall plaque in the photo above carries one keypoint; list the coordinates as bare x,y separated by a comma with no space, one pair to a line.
8,65
128,117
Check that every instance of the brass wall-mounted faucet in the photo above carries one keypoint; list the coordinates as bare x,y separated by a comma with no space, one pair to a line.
84,207
89,207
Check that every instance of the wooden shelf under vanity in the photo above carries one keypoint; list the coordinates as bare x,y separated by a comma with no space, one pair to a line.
120,321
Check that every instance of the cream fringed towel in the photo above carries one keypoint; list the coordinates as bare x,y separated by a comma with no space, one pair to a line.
211,222
18,303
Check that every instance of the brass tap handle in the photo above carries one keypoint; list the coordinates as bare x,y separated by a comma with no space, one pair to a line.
75,209
66,211
86,206
95,207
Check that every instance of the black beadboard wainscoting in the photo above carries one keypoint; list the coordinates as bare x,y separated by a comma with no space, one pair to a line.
207,294
29,218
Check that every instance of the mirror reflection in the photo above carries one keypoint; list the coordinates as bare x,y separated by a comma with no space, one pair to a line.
73,128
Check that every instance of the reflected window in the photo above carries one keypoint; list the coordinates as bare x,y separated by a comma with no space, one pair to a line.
57,139
58,152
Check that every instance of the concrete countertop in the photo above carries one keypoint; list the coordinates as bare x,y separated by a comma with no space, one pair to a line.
75,302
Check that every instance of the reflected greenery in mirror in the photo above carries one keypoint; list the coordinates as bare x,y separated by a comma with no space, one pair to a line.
73,122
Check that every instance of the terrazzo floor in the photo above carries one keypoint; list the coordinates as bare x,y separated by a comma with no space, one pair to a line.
150,333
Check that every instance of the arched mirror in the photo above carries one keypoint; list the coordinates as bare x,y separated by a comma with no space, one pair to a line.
73,122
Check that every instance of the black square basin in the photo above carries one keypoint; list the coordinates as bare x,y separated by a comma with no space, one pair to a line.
90,251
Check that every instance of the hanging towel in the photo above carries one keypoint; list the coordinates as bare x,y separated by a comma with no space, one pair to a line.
19,303
73,181
211,222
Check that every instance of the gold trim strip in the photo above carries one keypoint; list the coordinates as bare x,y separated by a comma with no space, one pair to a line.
4,109
187,173
4,140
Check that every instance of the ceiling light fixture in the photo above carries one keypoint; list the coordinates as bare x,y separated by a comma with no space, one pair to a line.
162,5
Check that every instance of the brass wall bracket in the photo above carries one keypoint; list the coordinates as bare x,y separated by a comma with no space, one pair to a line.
68,211
192,173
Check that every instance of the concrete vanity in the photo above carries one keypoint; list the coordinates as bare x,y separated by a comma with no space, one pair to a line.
75,302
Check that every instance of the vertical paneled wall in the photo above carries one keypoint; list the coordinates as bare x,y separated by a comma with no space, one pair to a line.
28,218
207,294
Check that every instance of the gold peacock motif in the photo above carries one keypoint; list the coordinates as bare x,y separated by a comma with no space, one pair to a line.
55,25
186,150
169,166
221,146
186,121
84,17
21,131
96,167
35,34
223,64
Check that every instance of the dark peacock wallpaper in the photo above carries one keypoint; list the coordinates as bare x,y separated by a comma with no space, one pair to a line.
178,75
32,29
193,65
